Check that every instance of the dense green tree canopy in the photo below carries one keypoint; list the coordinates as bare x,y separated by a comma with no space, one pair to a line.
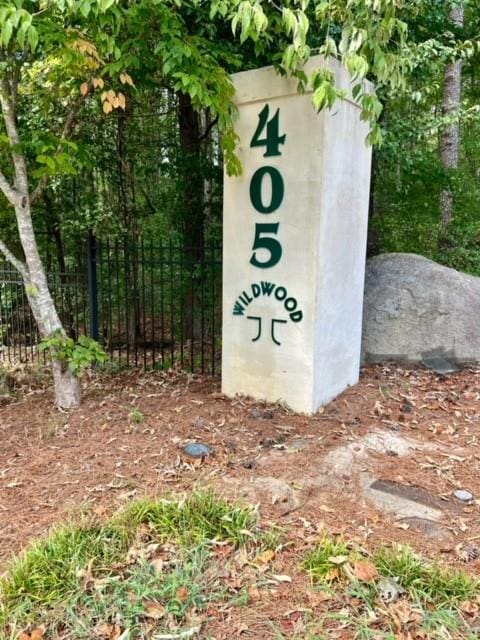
88,75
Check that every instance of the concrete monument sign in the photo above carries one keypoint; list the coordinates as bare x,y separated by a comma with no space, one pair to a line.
295,226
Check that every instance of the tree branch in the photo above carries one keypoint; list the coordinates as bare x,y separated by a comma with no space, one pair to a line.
18,264
10,193
7,101
208,129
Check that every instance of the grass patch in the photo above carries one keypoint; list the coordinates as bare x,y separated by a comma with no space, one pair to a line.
323,562
136,416
202,516
140,599
81,577
168,566
425,581
399,594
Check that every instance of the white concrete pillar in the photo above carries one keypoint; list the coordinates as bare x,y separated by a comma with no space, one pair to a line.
295,229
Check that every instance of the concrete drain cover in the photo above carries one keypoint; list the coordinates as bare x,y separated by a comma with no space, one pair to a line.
429,528
413,494
440,365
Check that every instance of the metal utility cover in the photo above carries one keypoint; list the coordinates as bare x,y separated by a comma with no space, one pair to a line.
197,450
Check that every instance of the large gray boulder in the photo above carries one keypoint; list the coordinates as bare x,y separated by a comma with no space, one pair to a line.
415,308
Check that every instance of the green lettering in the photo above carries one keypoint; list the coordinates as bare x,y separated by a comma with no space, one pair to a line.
296,316
277,193
263,241
290,304
267,288
256,290
238,309
273,139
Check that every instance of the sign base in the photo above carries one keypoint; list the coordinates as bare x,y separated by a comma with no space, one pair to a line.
295,231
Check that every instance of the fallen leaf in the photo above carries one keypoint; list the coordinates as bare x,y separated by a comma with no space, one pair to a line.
365,571
403,614
254,594
378,408
317,597
157,564
38,633
182,594
266,556
84,88
338,559
241,558
294,622
116,632
323,507
469,607
333,574
154,610
224,551
107,631
282,578
235,583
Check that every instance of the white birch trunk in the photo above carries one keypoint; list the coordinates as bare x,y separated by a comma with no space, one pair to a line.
67,386
450,137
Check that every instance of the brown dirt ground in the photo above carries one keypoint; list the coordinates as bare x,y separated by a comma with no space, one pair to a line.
55,465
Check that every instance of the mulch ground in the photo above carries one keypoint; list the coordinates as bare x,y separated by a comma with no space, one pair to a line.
126,441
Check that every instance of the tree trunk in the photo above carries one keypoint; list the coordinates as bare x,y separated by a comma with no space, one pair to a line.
192,214
67,386
128,206
450,138
67,390
372,235
53,229
192,180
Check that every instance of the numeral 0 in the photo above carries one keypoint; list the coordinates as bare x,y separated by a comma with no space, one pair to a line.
277,192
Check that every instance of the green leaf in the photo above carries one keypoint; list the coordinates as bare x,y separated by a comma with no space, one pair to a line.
21,35
6,33
32,38
105,5
246,17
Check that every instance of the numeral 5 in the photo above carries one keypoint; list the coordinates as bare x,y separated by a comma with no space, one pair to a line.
262,241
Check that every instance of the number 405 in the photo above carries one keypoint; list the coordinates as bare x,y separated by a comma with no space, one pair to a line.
264,231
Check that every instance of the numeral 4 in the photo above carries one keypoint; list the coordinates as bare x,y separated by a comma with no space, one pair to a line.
273,139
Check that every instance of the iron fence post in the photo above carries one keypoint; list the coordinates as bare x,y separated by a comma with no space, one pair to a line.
92,285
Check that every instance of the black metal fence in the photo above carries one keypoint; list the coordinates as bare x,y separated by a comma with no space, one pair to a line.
151,305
